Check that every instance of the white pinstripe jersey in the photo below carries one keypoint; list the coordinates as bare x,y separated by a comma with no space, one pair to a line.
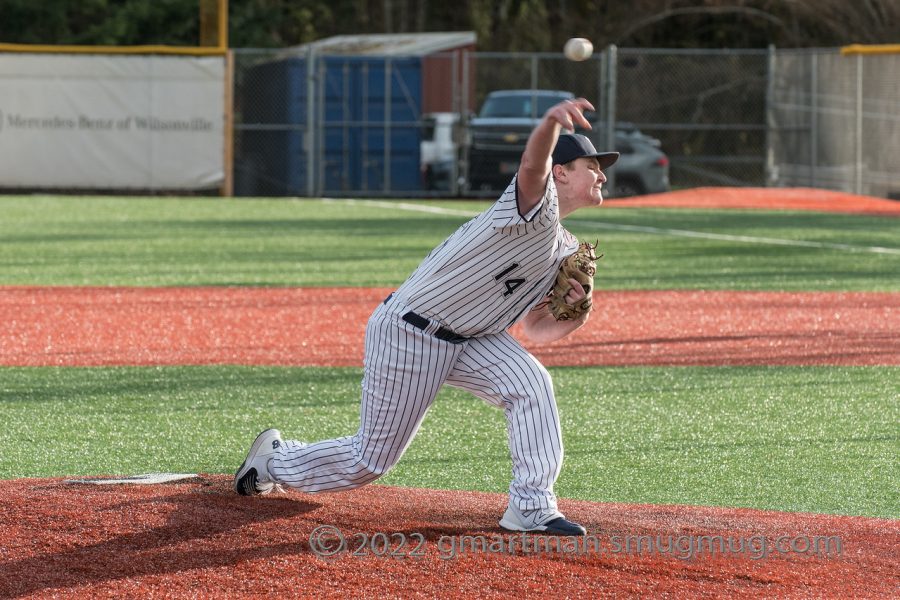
492,270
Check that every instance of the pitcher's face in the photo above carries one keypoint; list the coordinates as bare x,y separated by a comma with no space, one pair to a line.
587,180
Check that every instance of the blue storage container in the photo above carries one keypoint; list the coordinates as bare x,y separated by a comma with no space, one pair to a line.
366,101
369,100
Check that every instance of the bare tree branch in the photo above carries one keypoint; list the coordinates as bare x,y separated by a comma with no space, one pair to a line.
702,10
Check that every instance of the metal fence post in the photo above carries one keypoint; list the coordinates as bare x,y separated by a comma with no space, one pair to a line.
770,117
364,137
858,167
611,82
346,113
386,179
601,81
464,125
456,106
310,133
814,120
320,126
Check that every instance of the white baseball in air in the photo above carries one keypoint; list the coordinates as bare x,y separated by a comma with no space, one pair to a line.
578,49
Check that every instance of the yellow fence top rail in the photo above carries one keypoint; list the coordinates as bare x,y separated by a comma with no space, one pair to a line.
871,49
151,49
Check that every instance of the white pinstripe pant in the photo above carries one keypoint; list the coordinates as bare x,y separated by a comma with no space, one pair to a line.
404,369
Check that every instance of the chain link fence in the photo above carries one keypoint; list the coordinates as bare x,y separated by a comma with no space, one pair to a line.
308,125
835,122
706,107
270,125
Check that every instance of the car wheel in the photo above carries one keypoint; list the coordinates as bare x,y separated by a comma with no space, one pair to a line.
627,187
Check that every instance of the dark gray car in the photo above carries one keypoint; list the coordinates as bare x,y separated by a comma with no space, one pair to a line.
499,132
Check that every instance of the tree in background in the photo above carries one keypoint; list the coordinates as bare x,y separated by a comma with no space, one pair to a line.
99,22
755,23
500,25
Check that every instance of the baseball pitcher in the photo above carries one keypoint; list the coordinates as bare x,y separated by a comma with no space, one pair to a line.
448,324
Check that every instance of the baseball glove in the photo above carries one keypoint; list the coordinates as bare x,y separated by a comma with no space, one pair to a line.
581,267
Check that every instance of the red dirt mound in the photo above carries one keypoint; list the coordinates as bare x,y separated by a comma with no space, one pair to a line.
199,539
765,199
325,327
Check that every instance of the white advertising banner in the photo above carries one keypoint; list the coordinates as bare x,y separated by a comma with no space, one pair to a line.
111,121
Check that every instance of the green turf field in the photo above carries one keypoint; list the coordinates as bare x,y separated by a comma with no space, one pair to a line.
820,439
801,439
173,242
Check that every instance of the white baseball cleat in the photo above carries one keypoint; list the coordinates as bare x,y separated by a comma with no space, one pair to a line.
253,477
550,522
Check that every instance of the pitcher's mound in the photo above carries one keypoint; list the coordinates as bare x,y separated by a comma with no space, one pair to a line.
196,538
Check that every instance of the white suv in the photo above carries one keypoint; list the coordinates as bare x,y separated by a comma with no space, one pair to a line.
439,151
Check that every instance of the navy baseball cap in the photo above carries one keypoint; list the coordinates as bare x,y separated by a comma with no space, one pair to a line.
574,145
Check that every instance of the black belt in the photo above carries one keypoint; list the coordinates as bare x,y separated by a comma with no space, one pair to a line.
422,323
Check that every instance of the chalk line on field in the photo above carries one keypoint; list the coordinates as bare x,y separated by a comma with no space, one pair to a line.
435,210
738,238
438,210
